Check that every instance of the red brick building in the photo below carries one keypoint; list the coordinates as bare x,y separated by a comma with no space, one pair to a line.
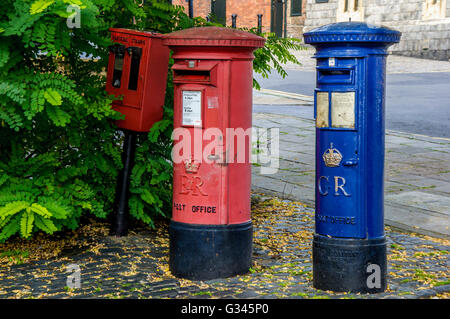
283,17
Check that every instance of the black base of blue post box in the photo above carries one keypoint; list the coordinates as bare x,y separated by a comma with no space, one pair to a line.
349,265
204,252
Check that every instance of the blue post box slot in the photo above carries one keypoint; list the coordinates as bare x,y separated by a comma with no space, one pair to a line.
334,76
349,113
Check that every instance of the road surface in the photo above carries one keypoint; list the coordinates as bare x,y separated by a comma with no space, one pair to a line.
415,102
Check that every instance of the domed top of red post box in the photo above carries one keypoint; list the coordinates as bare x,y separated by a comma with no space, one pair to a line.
214,36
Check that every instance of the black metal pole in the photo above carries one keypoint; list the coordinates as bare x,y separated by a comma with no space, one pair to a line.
191,8
233,20
121,209
260,23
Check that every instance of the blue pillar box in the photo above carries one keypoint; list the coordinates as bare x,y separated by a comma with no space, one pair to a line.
349,247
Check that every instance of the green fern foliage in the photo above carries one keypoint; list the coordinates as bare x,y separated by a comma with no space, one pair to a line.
60,151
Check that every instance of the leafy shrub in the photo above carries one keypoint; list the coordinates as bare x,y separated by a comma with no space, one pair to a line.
59,150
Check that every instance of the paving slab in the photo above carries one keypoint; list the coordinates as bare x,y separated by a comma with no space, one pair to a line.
422,200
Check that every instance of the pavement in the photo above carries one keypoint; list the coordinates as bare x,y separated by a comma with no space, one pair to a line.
136,266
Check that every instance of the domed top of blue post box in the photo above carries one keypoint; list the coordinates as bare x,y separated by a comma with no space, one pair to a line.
352,33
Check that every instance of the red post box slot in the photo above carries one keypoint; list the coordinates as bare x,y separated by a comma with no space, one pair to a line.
191,76
196,72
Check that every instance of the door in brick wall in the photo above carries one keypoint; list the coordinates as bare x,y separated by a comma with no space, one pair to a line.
276,20
219,11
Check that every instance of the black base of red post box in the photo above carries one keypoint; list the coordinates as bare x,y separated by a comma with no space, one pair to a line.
344,264
204,252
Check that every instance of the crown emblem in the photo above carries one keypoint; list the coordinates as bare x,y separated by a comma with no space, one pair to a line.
332,157
191,166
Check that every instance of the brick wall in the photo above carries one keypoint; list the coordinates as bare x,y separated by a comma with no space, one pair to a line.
247,13
425,29
201,7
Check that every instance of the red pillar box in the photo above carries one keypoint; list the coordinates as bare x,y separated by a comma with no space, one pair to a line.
211,229
137,70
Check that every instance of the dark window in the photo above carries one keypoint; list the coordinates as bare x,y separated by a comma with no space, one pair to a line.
321,1
218,11
296,7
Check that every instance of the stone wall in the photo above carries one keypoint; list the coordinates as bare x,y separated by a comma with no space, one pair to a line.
425,24
295,23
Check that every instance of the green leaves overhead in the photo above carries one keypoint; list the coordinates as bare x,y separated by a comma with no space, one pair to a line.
40,5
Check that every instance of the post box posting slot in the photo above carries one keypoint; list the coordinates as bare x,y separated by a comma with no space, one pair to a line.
335,76
192,71
336,70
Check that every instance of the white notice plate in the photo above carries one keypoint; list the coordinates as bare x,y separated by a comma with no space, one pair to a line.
192,108
343,109
322,104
